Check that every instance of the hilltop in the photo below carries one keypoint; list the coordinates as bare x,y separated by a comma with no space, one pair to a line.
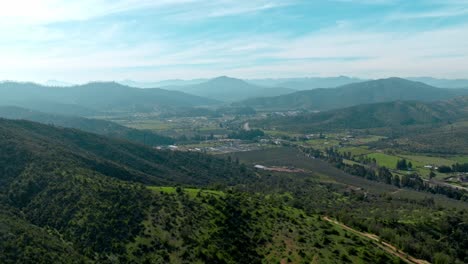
230,89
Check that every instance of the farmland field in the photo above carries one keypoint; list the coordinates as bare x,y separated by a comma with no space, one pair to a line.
385,160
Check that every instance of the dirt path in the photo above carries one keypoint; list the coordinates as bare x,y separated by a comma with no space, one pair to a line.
383,245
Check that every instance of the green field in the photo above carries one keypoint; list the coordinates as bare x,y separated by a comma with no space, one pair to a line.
385,160
460,159
426,160
356,151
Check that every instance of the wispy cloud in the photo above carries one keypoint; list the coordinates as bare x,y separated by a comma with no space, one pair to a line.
141,39
50,11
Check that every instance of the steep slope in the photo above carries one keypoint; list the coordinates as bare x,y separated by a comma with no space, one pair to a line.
379,115
77,192
23,242
99,96
230,89
112,157
384,90
101,127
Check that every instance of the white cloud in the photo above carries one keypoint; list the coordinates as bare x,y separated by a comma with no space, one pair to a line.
31,50
50,11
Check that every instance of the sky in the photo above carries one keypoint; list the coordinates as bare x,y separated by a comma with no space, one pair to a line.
151,40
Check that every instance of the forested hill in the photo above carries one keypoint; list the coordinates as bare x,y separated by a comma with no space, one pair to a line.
68,196
98,96
388,115
101,127
29,141
384,90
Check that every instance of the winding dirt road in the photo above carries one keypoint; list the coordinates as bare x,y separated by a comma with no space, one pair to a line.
391,249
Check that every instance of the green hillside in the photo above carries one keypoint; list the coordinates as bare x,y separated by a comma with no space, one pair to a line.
80,192
74,197
96,126
384,90
379,115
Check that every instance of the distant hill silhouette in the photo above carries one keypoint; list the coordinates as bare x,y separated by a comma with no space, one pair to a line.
98,96
383,90
307,83
230,89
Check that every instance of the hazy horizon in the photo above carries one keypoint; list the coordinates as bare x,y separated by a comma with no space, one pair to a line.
182,82
144,40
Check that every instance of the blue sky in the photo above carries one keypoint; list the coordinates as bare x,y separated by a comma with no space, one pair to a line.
149,40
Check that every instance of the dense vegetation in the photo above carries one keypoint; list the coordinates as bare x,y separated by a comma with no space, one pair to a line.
71,196
247,134
85,187
427,226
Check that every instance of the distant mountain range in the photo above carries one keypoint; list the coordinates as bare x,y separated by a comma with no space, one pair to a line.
442,83
303,83
229,89
306,83
99,96
266,94
159,84
384,90
300,83
101,127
